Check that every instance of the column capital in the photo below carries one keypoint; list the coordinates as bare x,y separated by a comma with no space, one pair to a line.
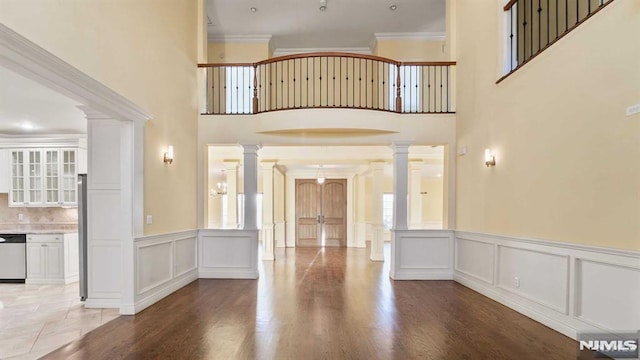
250,148
400,147
91,114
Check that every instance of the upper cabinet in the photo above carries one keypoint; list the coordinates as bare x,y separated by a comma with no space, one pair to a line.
43,177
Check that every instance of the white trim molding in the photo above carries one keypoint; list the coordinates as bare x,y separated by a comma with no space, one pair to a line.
422,254
430,36
228,254
571,288
19,54
163,264
218,38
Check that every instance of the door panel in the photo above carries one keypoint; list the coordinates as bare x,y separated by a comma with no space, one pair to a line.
334,206
307,211
321,212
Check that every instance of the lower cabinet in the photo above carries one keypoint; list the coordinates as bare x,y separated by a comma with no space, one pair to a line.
52,258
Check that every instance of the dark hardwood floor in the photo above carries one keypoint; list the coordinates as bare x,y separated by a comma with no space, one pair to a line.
323,304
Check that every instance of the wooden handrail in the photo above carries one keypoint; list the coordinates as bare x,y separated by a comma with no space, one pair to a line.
328,54
332,54
510,4
381,85
427,63
212,65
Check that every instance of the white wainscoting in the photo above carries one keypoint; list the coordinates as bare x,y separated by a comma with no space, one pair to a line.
228,254
422,255
568,287
163,264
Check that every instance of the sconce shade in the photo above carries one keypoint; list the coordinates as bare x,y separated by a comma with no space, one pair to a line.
168,155
489,158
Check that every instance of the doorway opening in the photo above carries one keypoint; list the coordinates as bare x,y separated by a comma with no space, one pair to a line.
321,213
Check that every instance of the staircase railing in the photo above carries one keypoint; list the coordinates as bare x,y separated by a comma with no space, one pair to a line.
534,25
329,80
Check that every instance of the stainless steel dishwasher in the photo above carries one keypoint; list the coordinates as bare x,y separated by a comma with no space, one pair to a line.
13,258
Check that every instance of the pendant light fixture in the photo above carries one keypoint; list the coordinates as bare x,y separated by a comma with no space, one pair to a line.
320,177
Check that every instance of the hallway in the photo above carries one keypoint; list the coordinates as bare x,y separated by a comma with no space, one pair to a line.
323,304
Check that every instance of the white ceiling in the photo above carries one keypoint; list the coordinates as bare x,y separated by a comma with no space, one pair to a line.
344,24
28,108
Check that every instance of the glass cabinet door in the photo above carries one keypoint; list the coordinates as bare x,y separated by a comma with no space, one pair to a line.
17,177
69,176
35,176
51,175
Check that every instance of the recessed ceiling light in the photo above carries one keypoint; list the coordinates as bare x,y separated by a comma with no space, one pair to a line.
254,9
393,7
26,126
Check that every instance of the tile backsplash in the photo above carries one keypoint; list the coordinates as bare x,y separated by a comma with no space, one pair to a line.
36,218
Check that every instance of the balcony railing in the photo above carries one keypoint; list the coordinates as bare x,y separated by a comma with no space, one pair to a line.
534,25
329,80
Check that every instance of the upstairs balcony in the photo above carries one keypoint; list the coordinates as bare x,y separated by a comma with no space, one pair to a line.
329,80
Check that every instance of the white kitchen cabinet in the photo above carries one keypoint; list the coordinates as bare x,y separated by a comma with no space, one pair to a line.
52,258
43,177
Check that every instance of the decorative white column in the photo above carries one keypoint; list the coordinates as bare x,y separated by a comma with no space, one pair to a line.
267,209
400,182
250,186
231,173
279,195
114,209
415,194
361,226
377,243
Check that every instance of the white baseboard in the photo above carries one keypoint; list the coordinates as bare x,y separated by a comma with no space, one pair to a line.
159,294
102,303
227,274
569,287
44,281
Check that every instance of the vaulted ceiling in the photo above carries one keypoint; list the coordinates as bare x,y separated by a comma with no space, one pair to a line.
343,24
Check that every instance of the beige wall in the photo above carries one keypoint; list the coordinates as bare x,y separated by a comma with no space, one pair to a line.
146,51
411,50
567,157
222,52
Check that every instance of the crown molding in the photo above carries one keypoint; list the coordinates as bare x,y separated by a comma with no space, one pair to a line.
25,141
259,38
430,36
19,54
291,51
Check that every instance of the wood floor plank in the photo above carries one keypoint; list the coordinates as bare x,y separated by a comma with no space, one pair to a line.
328,303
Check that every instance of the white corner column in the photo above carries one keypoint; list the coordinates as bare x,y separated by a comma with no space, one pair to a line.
231,173
267,210
361,225
114,209
400,191
415,194
377,243
250,186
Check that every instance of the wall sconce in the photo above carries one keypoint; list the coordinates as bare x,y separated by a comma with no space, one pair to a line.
168,155
489,158
320,177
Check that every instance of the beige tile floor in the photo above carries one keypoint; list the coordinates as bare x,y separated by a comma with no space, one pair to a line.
37,319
